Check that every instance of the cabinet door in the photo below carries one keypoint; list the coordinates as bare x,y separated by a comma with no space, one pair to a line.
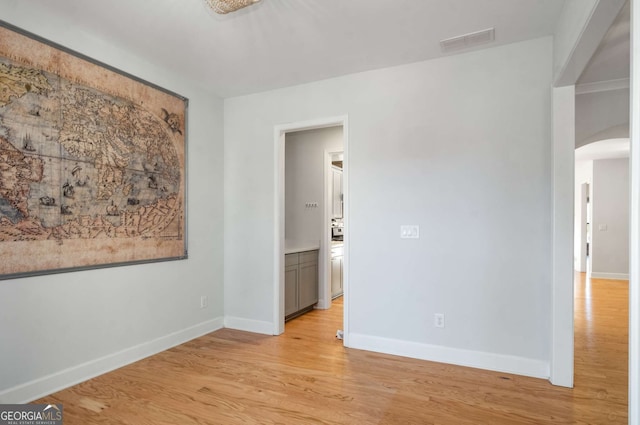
308,285
290,290
336,276
337,193
341,275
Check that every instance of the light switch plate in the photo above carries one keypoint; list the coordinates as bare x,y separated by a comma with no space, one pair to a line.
409,231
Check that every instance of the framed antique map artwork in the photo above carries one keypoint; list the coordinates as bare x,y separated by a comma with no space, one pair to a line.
92,162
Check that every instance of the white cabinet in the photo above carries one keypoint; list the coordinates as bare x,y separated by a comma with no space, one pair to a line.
336,271
337,197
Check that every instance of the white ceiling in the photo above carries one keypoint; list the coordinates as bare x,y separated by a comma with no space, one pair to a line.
602,110
611,61
279,43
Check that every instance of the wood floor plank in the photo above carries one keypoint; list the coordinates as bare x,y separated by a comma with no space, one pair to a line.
306,376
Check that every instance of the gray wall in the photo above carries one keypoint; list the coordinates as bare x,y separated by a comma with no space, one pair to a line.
304,180
602,115
60,329
459,146
610,258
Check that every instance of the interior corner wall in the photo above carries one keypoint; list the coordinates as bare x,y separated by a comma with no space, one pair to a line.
57,330
460,146
304,180
610,206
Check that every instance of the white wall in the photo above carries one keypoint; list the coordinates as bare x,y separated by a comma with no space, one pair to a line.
584,174
59,329
563,161
596,113
304,180
610,257
460,146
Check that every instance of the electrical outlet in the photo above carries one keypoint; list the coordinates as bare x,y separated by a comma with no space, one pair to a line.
203,301
438,320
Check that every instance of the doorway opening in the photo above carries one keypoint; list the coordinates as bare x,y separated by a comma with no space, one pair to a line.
335,170
601,248
304,210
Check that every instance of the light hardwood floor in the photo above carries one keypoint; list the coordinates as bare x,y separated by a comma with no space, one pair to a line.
306,377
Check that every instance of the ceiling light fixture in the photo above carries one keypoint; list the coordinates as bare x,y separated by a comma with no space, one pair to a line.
226,6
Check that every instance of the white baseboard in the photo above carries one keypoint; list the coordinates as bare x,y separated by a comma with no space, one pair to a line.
49,384
612,276
477,359
248,325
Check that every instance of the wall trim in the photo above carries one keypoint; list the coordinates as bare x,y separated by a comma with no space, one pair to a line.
37,388
611,276
601,86
248,325
436,353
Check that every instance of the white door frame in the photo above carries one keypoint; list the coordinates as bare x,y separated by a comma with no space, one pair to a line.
326,296
563,201
634,234
279,213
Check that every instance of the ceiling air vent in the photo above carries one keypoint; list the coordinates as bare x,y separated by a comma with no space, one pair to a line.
468,40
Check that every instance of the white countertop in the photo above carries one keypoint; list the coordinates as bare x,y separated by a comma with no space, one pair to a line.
292,246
